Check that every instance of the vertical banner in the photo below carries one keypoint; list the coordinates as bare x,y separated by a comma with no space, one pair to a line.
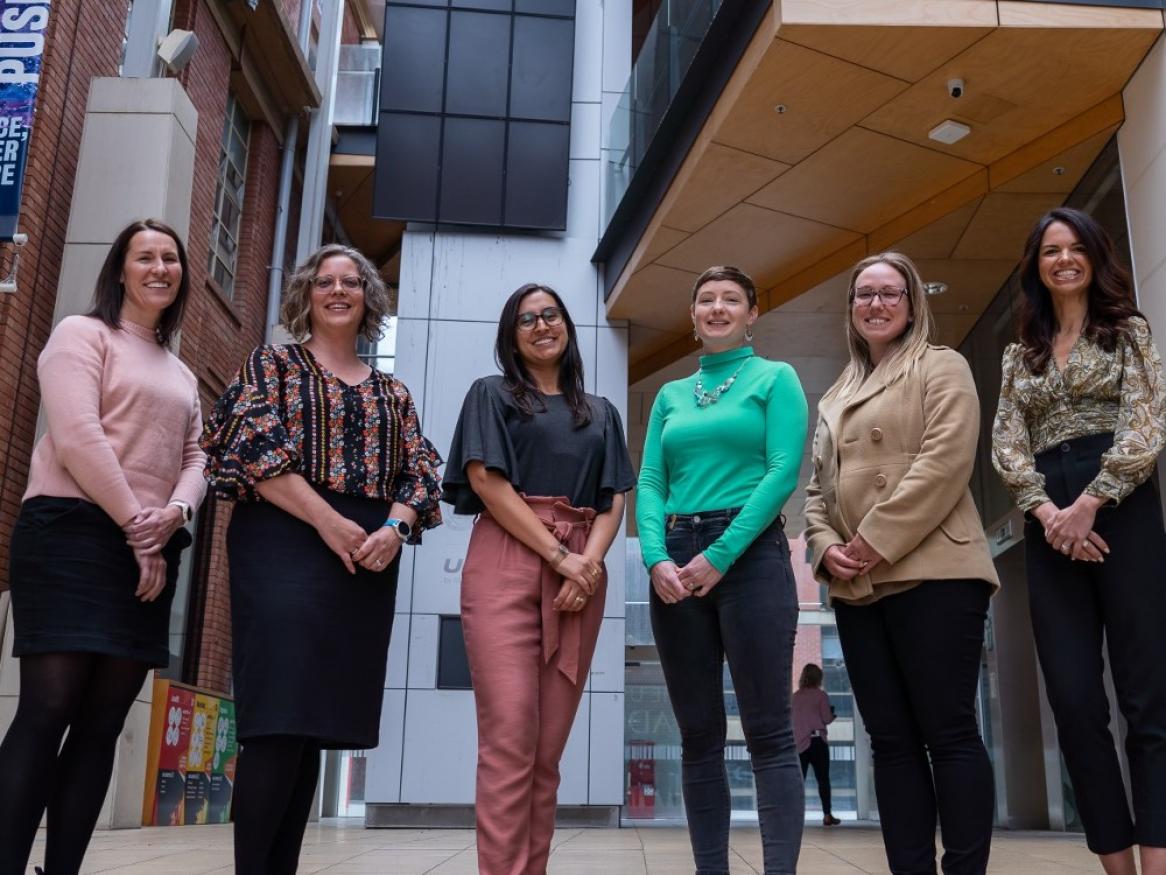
22,43
223,765
200,758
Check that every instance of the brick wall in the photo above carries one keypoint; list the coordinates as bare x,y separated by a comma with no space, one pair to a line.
83,41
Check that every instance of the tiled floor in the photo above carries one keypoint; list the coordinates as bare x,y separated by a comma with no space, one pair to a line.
346,848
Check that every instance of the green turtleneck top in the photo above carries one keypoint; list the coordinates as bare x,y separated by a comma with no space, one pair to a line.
744,451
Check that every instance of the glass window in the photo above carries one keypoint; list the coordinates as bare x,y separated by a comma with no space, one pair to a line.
232,181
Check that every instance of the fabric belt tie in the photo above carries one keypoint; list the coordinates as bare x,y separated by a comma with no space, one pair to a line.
562,630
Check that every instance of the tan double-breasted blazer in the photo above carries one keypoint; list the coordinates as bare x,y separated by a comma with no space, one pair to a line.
892,463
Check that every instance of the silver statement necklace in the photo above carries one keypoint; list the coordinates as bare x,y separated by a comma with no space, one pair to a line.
703,398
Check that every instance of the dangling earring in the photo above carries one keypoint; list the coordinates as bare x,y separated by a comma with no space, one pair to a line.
696,335
748,334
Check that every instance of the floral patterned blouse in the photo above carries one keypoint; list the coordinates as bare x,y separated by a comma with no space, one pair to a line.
286,412
1121,392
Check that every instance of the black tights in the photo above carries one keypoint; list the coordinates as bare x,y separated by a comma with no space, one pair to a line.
274,789
57,690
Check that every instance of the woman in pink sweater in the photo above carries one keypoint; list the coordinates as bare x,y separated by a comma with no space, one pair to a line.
811,713
95,549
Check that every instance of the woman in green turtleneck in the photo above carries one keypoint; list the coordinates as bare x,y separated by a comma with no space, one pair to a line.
721,458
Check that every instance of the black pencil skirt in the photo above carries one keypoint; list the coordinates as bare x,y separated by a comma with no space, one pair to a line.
310,641
73,578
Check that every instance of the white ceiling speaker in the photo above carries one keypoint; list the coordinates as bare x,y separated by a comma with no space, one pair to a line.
177,48
949,132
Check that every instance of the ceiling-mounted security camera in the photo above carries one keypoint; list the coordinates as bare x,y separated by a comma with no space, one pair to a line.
955,88
177,48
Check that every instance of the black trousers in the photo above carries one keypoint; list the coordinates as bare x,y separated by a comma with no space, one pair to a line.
1077,605
914,664
749,619
817,756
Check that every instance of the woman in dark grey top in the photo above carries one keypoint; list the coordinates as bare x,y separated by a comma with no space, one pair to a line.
545,465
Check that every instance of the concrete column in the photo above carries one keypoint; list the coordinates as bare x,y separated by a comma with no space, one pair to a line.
453,284
136,161
1141,143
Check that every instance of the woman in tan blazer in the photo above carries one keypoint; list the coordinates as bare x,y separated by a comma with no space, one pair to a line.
895,535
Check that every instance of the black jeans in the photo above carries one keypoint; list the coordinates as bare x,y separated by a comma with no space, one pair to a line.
750,618
817,755
1077,605
914,663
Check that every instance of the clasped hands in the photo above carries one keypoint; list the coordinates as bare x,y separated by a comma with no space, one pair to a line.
147,533
354,546
847,561
1070,530
581,575
697,578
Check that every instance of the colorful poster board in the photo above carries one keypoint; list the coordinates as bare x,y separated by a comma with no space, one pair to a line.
22,42
190,773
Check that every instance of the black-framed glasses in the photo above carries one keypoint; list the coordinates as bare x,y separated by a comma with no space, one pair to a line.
326,283
864,296
551,316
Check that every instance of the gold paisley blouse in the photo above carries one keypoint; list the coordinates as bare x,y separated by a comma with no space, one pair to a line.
1121,392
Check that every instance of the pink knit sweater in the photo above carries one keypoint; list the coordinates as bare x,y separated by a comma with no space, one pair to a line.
123,420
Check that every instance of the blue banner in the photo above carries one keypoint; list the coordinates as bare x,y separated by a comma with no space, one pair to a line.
22,43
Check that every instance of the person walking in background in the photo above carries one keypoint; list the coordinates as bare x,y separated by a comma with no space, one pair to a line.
1078,430
721,458
894,532
330,475
95,549
545,466
812,713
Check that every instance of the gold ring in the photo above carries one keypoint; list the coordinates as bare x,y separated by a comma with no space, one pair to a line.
579,600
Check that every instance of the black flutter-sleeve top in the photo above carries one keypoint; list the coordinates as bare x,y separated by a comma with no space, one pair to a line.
541,455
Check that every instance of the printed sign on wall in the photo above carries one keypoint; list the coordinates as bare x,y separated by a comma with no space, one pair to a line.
22,43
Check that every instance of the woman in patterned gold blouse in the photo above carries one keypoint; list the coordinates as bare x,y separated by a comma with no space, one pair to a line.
330,473
1077,433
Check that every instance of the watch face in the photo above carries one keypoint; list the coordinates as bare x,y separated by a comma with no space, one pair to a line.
404,528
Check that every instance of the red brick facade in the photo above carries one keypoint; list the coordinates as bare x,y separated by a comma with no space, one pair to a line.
84,41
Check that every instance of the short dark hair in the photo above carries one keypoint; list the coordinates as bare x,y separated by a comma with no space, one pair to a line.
733,275
109,292
514,373
1111,294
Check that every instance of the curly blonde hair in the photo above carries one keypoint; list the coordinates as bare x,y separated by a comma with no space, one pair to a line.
296,311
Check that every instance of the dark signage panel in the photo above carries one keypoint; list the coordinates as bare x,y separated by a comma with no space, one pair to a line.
475,113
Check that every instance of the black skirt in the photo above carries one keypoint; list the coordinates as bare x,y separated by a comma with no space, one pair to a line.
310,641
73,578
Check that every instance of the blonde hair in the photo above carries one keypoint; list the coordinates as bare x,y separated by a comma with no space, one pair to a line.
296,311
907,348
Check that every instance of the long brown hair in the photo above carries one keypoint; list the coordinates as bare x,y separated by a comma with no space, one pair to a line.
1110,299
109,292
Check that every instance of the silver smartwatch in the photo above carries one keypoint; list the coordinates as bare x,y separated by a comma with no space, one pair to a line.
402,528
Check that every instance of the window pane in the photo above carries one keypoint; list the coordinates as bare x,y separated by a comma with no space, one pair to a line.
540,80
471,171
415,49
479,61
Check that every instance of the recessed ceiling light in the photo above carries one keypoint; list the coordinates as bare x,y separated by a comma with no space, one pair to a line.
935,288
949,132
780,108
1058,171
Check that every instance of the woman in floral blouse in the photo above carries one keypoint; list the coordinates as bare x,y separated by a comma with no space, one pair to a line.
1077,434
330,473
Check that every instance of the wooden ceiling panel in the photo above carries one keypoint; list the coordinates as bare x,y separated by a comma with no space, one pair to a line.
1073,163
1001,224
951,330
823,96
765,244
1049,75
861,180
970,283
659,298
723,176
939,239
663,240
1027,14
908,53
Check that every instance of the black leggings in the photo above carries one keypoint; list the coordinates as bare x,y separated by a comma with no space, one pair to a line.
818,756
89,691
274,789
